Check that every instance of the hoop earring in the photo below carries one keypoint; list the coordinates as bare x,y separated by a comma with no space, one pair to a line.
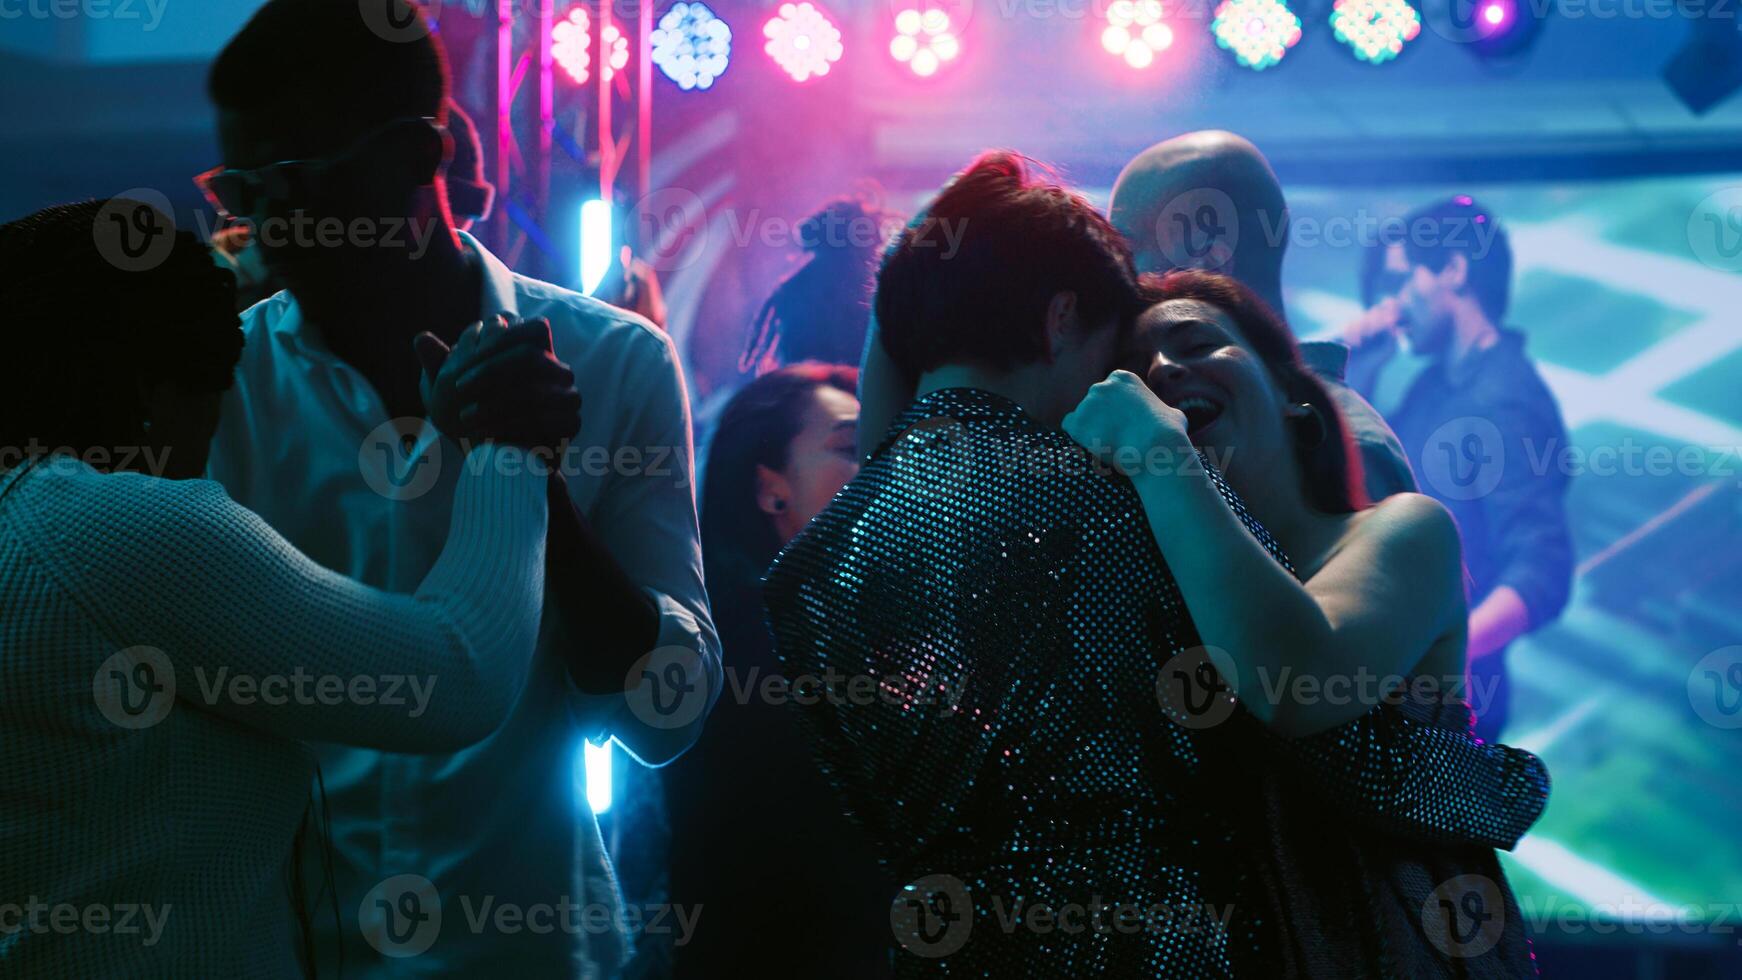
1310,429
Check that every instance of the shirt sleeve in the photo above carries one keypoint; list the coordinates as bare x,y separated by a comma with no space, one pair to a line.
259,633
646,518
1526,511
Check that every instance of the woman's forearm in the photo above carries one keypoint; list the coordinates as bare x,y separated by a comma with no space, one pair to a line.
1225,575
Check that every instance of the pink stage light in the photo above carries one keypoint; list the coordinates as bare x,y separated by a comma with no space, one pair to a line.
924,40
618,47
1135,32
572,44
802,40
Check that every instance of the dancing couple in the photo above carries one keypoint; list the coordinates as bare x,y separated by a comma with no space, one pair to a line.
1125,639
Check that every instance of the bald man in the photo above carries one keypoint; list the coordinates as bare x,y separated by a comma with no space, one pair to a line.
1209,200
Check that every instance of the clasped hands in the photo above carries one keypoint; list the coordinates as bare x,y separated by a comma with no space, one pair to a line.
502,382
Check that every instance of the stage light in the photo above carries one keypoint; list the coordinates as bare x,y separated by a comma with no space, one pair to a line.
598,779
617,51
596,244
1135,31
691,45
572,43
1490,29
1258,32
802,40
1376,30
923,40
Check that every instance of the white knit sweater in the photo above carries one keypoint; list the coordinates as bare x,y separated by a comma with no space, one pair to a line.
148,801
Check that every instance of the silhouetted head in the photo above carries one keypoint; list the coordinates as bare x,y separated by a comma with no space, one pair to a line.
354,98
122,361
1005,270
1205,200
821,311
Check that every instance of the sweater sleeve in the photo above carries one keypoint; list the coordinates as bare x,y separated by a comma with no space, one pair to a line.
259,633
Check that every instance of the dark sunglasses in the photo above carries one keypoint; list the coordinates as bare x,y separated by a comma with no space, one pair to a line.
240,194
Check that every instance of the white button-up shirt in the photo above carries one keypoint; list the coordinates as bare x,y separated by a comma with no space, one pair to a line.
513,857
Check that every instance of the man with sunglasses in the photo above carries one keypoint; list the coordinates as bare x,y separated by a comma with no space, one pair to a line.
331,126
1435,355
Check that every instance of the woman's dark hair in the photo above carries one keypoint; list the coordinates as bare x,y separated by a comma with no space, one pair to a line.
1330,468
88,324
756,429
970,280
821,311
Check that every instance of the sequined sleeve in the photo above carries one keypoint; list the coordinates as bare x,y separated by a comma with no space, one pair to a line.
1405,771
1410,766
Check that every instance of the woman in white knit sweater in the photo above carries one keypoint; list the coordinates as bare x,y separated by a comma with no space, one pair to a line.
163,651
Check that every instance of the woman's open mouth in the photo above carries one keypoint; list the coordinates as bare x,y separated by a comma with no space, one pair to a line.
1201,413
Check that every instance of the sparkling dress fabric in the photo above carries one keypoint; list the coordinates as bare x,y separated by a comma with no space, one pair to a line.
981,620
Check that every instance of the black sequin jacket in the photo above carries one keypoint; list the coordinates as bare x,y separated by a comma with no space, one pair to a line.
976,630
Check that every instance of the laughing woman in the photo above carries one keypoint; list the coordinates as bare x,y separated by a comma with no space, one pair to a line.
1379,594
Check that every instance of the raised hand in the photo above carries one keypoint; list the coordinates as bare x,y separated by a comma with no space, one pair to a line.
1121,421
501,382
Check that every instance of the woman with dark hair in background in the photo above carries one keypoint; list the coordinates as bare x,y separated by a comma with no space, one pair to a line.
1374,591
161,646
800,896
